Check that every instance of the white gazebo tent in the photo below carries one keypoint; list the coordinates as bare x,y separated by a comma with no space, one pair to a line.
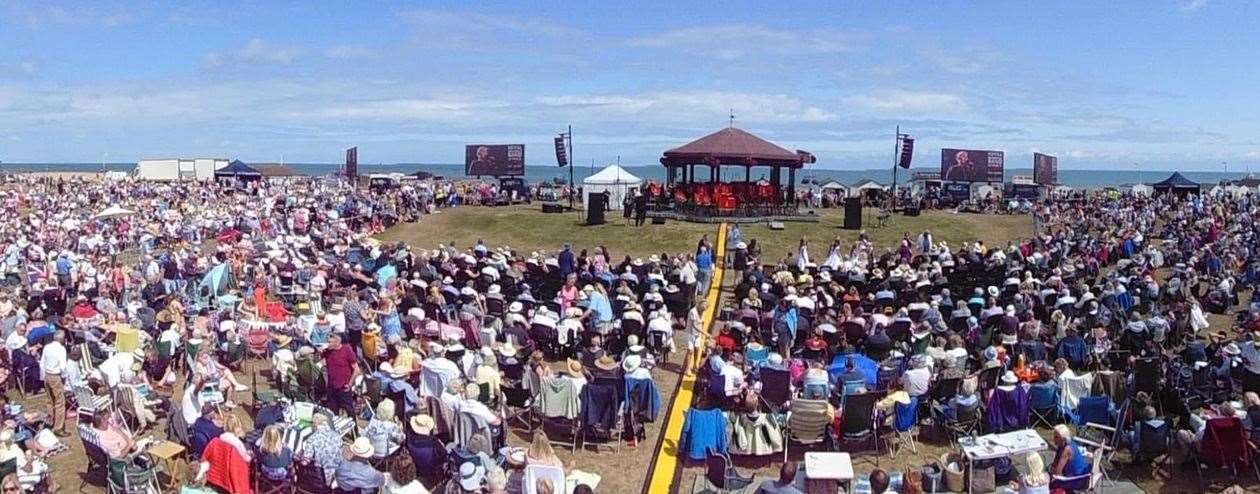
1142,190
837,188
613,179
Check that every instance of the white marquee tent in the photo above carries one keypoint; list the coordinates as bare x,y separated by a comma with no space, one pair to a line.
614,180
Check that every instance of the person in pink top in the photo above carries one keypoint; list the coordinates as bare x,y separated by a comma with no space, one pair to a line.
568,292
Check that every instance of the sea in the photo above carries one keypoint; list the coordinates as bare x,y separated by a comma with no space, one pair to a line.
1071,178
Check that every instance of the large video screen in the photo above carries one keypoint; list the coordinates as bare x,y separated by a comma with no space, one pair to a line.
969,165
1045,169
494,159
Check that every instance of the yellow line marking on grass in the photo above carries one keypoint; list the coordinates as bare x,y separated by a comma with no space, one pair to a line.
665,466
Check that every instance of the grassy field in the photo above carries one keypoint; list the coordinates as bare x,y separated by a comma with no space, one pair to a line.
944,225
525,228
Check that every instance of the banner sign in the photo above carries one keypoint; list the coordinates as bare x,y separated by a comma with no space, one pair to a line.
957,191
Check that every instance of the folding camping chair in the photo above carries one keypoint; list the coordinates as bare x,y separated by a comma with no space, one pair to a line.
806,424
858,419
1043,402
721,473
1225,443
905,427
776,388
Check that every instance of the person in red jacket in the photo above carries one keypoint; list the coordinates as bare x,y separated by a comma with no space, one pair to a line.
227,468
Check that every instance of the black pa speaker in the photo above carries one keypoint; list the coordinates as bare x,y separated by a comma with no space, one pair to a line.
552,207
911,211
853,213
907,152
658,220
595,205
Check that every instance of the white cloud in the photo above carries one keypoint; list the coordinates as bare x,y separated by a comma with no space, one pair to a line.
486,24
20,68
87,14
733,41
349,52
903,101
963,59
260,51
256,52
1193,5
688,106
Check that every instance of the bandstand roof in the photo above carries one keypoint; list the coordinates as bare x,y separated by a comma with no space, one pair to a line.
734,146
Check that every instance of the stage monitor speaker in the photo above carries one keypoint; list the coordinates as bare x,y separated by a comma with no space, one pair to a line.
658,220
853,213
776,225
595,209
911,211
552,207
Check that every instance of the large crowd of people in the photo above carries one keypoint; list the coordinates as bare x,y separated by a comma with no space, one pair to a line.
264,332
281,344
1105,316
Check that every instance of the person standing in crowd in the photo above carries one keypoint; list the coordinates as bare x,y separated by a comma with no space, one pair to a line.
52,363
342,366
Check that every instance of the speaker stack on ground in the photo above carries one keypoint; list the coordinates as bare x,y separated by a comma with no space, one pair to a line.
658,220
911,211
552,207
853,213
595,209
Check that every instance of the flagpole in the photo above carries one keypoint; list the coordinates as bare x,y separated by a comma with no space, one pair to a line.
572,185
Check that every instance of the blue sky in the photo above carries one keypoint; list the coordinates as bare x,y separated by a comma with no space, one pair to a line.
1163,83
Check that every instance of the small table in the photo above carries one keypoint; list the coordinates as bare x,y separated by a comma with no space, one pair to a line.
828,468
171,456
1003,445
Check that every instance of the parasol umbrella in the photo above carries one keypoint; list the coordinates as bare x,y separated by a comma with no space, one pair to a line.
114,211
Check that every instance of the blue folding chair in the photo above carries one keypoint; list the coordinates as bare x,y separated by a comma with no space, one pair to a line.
1094,409
905,419
1043,401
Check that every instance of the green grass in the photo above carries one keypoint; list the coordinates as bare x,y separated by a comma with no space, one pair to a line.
944,225
526,228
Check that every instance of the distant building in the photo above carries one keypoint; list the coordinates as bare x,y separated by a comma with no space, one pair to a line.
276,172
176,169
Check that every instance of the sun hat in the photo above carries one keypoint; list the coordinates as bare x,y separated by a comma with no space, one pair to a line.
574,367
508,349
631,363
605,363
422,424
362,448
1232,349
1009,378
471,476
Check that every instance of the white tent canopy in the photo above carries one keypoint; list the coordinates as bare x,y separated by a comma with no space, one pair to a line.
114,211
1141,190
614,180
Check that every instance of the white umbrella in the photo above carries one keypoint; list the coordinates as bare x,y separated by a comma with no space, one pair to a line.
114,211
